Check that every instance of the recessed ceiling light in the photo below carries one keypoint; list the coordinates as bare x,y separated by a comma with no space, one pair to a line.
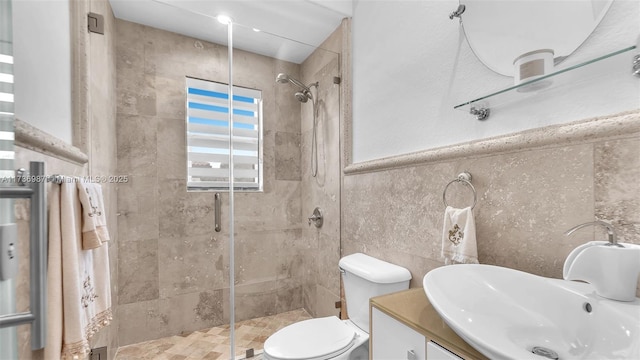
224,19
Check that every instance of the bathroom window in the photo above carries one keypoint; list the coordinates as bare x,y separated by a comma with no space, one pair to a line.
208,137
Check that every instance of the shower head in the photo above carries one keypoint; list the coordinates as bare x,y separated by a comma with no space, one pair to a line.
283,78
303,96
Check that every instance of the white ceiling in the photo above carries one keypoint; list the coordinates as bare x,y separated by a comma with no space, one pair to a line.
289,29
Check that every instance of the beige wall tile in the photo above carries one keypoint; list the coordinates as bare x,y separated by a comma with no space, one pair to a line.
141,321
617,170
136,92
194,311
138,271
129,46
287,156
183,213
170,96
137,145
138,209
189,264
526,201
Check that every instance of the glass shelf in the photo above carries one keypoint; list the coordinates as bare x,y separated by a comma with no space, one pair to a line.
619,61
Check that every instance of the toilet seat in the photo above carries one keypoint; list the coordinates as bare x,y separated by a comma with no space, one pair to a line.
314,339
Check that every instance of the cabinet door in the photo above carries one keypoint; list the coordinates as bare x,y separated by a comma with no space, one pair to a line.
392,340
437,352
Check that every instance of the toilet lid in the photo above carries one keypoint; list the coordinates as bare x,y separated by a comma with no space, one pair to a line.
320,338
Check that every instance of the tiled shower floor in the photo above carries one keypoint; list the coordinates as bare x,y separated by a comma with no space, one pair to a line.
212,343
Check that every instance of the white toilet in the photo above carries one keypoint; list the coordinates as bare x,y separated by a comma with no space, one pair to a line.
331,338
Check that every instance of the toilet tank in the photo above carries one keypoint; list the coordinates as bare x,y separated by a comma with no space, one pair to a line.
365,277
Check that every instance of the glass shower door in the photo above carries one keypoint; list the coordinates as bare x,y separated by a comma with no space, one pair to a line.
285,268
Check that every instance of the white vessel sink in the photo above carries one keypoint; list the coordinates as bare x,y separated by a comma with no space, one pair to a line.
505,314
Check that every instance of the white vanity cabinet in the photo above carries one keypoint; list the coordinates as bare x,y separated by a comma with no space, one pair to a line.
404,325
392,339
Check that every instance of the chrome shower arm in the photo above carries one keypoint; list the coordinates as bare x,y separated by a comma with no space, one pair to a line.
299,84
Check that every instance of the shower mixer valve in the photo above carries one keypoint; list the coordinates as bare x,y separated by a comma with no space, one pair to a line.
316,218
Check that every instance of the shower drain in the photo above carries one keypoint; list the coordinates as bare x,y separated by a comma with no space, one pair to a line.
548,353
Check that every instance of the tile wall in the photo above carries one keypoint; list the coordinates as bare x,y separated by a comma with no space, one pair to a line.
528,196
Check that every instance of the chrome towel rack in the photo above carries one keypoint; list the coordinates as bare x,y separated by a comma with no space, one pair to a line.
23,177
34,191
465,178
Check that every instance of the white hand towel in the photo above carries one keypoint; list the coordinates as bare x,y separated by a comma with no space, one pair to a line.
94,221
78,281
459,236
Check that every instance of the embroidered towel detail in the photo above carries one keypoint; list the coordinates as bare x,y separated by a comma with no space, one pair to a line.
78,281
459,236
94,223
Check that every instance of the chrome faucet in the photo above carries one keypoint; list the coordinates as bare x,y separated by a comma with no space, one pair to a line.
611,232
611,268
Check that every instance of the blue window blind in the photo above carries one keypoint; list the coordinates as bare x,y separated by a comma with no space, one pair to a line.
7,153
208,136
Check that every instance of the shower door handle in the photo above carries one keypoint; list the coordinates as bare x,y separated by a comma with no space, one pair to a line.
216,206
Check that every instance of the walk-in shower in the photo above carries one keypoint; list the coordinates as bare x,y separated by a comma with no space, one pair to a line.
303,96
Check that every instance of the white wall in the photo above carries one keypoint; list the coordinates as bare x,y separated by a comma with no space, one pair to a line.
42,70
411,65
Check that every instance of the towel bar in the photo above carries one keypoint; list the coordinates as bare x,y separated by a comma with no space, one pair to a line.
465,178
35,191
23,177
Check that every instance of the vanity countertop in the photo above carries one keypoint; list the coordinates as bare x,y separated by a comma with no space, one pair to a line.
412,308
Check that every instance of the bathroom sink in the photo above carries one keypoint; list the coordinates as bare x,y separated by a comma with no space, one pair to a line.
508,314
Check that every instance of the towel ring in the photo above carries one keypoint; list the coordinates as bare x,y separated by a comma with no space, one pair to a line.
465,178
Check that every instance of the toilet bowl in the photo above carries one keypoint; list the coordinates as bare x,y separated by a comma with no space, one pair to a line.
318,339
329,337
